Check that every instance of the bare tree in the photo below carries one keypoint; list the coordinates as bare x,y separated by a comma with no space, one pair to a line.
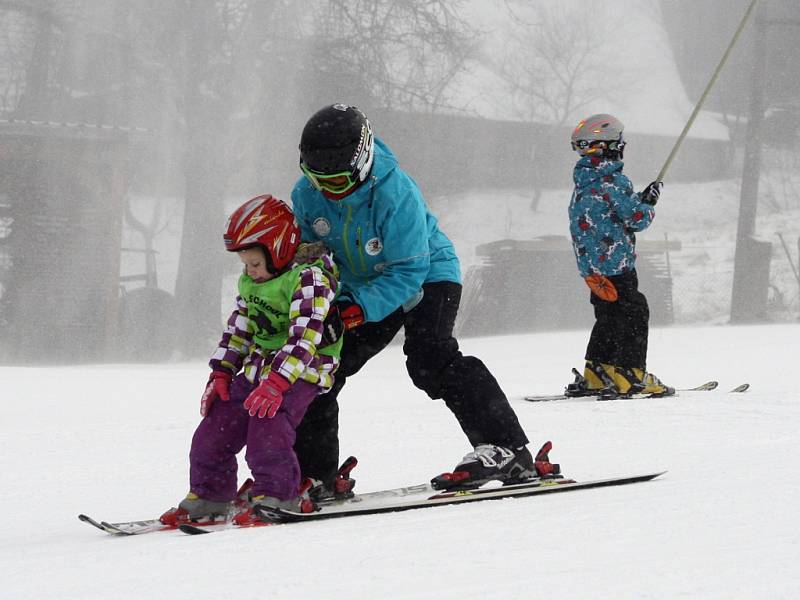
196,64
32,36
218,44
402,53
551,70
215,82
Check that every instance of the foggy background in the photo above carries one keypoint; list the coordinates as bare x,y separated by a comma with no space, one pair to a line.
129,130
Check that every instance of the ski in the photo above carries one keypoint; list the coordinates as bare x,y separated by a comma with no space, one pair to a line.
541,486
115,529
194,529
380,502
126,528
376,496
740,388
704,387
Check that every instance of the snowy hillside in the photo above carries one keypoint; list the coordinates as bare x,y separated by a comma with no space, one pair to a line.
112,441
702,217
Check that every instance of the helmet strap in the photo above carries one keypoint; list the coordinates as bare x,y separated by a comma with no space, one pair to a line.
268,261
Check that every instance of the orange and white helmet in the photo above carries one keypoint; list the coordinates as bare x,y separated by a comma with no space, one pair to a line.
267,222
598,135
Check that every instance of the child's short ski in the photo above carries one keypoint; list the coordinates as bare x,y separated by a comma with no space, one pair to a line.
388,495
152,525
194,529
704,387
126,528
380,502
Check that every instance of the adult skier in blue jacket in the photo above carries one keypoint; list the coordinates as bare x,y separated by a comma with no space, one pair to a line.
604,216
397,269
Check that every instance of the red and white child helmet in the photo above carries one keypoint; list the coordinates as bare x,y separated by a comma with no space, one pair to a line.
267,222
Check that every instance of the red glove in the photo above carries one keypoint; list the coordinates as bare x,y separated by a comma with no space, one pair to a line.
267,398
217,387
351,315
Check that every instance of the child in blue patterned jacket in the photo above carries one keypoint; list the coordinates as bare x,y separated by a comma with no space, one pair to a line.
605,214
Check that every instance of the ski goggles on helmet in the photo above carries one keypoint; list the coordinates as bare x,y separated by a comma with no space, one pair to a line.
335,183
580,145
593,146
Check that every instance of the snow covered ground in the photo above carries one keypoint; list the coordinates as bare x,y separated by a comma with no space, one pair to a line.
112,441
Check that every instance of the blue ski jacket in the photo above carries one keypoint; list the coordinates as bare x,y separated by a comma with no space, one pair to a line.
385,241
604,215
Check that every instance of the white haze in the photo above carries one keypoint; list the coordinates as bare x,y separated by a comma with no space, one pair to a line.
112,440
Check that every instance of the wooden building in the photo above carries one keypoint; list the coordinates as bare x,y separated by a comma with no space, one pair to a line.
62,187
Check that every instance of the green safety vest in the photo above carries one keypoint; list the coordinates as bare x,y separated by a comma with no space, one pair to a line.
268,306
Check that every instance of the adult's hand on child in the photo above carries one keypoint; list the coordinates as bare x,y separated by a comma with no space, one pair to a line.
351,314
217,387
651,193
267,398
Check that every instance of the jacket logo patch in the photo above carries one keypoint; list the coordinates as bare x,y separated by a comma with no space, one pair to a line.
373,247
321,227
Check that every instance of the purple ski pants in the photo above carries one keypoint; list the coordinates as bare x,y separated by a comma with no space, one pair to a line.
270,453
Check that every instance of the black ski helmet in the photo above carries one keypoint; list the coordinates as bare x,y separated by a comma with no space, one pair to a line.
338,139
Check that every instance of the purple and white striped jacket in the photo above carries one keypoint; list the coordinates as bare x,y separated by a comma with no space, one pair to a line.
299,357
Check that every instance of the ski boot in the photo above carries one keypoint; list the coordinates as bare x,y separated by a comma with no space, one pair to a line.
639,381
340,489
193,508
260,506
496,463
597,380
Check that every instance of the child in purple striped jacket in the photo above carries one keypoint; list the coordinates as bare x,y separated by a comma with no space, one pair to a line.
274,358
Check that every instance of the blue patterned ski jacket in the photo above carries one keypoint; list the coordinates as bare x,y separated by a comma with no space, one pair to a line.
604,215
385,241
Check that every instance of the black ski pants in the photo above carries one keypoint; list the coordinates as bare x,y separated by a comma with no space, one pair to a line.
619,335
435,365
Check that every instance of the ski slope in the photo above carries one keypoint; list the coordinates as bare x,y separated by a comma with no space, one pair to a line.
112,441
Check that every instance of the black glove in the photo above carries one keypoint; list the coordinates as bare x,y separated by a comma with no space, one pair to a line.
333,327
651,193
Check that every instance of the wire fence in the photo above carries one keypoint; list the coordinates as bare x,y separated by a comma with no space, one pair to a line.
702,283
691,285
